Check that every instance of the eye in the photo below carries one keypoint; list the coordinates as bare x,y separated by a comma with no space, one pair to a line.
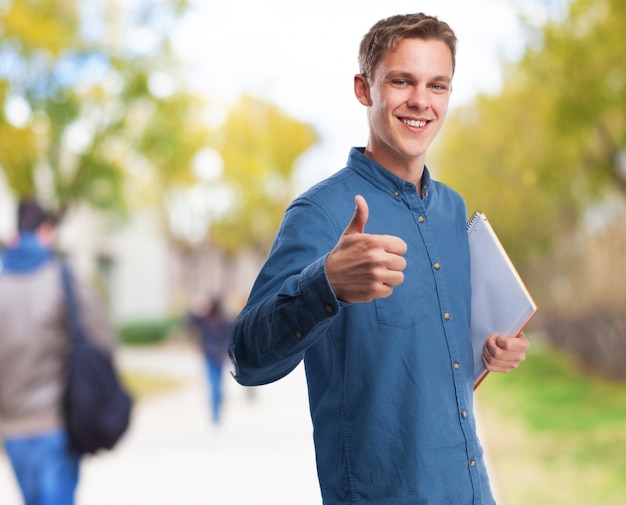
438,87
400,82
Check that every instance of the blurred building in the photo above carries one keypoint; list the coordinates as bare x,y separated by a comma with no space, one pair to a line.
143,275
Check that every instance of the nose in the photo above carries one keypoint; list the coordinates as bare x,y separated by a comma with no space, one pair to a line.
419,98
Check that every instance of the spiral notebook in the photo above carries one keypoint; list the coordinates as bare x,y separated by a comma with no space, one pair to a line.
500,301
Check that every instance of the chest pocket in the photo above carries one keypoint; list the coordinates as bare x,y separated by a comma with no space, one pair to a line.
409,302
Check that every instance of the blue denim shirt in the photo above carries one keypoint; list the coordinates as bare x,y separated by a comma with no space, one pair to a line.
391,381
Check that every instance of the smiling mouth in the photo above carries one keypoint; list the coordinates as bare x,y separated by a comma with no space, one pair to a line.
413,123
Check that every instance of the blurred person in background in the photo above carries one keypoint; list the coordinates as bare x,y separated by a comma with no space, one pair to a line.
368,281
213,328
34,342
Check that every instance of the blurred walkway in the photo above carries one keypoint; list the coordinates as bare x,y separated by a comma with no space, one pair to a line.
261,454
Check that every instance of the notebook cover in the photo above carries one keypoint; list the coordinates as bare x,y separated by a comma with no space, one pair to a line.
501,302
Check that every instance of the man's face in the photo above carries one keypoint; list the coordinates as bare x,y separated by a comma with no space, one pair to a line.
407,99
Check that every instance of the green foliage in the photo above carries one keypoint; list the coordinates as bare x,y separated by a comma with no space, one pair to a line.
535,157
550,394
17,155
259,145
554,434
147,332
158,141
100,131
96,132
48,24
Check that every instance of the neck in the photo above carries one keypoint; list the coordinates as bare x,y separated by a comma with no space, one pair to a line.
411,171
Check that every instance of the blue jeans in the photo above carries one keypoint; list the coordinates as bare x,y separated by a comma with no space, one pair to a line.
45,467
214,378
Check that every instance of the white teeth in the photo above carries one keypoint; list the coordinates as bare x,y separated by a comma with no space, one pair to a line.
415,124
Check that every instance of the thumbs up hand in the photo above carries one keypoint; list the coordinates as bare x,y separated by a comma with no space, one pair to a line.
363,267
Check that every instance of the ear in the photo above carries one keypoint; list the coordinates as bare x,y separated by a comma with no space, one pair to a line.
362,90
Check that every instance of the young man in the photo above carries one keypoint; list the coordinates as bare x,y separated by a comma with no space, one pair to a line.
380,310
34,341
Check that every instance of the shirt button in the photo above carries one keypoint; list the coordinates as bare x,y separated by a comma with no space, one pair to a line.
329,308
436,266
421,219
396,192
446,316
299,334
472,462
456,365
464,414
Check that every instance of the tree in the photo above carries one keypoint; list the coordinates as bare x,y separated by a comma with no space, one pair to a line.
88,116
538,155
259,145
543,154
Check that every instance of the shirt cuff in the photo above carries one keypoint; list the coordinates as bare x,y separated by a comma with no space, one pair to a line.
316,291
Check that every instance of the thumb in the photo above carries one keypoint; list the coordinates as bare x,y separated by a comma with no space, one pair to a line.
361,213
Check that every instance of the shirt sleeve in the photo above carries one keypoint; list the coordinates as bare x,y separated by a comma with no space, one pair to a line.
292,303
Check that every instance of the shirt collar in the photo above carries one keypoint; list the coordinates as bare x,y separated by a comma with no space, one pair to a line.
381,177
27,255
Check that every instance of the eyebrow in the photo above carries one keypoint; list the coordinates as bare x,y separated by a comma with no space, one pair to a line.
397,74
442,78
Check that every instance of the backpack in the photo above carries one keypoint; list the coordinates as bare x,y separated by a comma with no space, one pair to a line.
96,406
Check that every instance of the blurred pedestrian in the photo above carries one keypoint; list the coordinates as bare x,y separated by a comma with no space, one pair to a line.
213,327
34,342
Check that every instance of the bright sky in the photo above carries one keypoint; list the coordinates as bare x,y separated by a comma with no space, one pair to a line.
302,56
